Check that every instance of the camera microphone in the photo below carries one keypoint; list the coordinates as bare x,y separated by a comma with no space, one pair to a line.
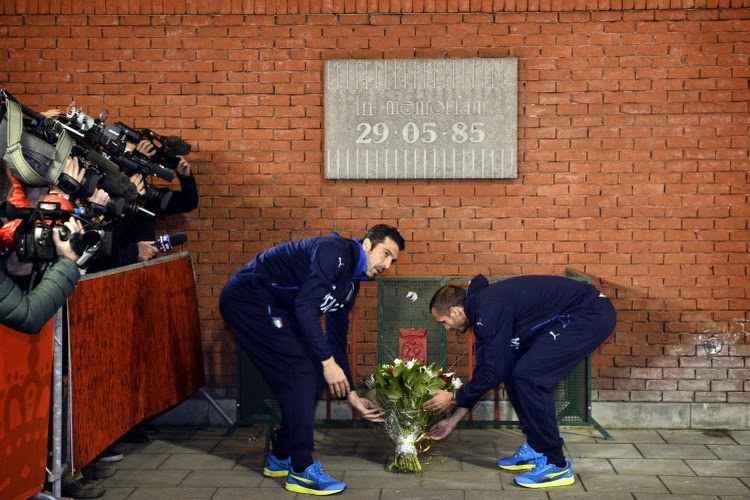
166,242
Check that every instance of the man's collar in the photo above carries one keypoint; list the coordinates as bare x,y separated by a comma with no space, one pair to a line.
359,272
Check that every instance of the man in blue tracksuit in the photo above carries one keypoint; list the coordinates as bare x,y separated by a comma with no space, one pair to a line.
273,306
530,332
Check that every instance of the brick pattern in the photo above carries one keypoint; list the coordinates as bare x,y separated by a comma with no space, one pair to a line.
633,153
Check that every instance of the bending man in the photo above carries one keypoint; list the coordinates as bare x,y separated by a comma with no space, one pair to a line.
530,332
273,306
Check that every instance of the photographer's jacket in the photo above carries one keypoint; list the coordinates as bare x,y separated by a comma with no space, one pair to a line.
507,315
29,313
303,279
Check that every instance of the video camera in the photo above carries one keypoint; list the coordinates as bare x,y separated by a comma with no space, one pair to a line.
33,237
113,138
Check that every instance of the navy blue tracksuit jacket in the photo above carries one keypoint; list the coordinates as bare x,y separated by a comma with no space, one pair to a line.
273,305
530,332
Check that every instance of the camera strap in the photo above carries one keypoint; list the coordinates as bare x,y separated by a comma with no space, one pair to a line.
47,161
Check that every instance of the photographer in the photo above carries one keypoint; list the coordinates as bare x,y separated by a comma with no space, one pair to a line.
133,238
28,313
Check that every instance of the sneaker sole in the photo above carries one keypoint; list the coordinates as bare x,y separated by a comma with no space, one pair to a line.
275,473
516,467
301,489
565,481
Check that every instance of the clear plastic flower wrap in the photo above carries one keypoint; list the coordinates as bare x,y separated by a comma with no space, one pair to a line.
400,389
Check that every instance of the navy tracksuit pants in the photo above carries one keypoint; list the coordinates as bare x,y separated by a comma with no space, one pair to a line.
545,359
288,367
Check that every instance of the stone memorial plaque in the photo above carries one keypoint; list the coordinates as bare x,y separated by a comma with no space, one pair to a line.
420,119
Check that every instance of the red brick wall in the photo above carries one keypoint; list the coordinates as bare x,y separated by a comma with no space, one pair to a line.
633,148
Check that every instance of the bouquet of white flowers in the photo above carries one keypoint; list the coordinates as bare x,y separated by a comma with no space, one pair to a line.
400,389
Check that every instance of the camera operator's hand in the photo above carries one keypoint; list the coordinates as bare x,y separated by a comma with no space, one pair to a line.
100,197
73,168
63,247
53,113
183,167
146,148
146,251
138,182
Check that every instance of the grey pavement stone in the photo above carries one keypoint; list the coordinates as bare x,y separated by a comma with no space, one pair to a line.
563,494
705,485
170,493
369,479
223,478
142,461
420,494
200,462
633,436
179,446
602,451
518,492
679,451
742,437
696,437
460,480
720,468
730,451
140,478
278,493
649,496
116,493
613,483
651,466
592,466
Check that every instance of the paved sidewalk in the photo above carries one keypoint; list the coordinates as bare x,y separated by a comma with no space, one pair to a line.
183,463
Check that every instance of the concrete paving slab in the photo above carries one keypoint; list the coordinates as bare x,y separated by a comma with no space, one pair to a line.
742,437
223,478
620,450
142,461
682,485
139,478
420,494
650,496
730,451
200,462
651,466
198,493
116,493
524,494
613,483
696,437
679,451
633,436
720,468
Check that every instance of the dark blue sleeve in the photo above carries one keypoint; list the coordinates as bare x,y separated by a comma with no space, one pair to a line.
337,328
493,355
314,299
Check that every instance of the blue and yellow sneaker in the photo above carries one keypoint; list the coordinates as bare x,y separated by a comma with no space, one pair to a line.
313,481
275,467
522,459
546,475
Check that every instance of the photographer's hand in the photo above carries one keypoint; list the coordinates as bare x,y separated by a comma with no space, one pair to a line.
146,251
146,148
63,247
183,167
52,113
100,197
140,185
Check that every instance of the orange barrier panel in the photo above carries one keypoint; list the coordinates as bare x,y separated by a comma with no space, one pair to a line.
135,349
25,382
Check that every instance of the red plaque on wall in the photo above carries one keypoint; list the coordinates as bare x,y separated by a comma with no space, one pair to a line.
412,344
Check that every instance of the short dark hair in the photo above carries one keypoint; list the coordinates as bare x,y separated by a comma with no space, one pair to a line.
6,185
378,234
447,297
